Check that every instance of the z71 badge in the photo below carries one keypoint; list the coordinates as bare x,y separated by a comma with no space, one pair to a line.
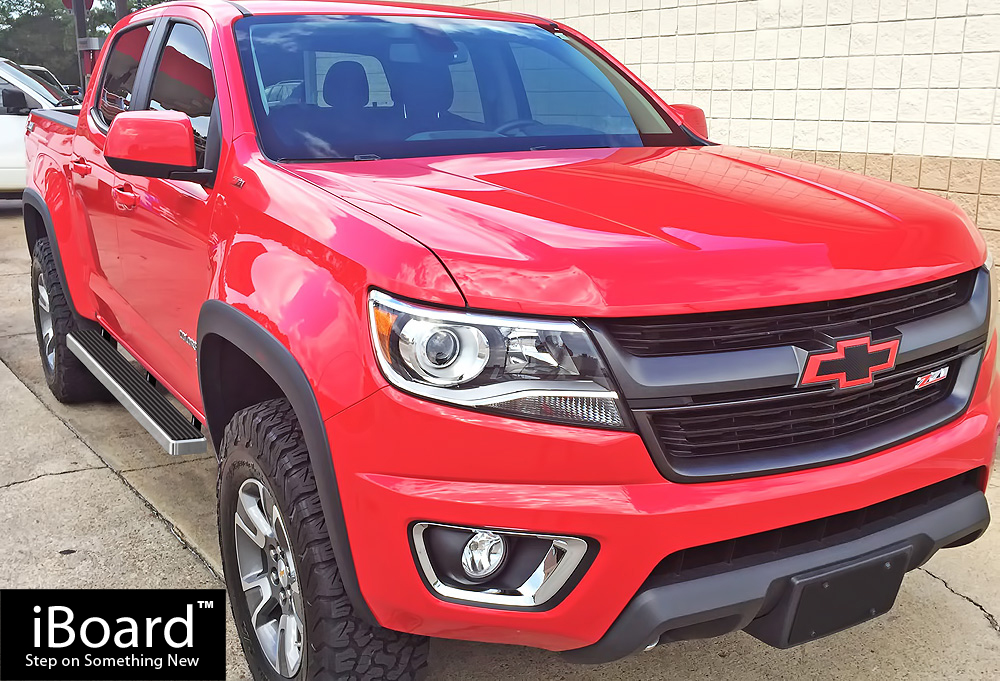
932,377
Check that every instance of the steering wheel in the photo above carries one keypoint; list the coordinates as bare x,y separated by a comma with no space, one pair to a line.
510,126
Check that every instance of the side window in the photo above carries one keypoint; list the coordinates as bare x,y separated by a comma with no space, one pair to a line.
118,80
183,81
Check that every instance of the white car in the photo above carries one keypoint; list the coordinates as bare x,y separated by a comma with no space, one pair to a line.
13,167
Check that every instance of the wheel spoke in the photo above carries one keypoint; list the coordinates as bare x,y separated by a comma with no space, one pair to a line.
43,297
289,648
252,520
267,599
257,580
281,654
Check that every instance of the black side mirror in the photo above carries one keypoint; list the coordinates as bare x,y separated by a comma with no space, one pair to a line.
14,101
73,90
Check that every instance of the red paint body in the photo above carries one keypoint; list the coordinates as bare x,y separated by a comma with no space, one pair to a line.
161,137
588,233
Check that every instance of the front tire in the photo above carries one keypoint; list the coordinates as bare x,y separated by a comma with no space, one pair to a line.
294,618
68,379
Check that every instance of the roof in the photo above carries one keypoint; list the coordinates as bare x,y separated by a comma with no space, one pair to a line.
367,7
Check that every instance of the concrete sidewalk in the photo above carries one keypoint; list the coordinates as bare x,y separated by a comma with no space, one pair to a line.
88,500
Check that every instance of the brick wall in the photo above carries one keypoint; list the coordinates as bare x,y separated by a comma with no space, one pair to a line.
905,90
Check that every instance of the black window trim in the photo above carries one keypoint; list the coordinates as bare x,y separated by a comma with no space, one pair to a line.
145,89
95,114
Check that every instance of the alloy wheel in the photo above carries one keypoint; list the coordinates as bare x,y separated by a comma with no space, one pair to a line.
269,577
45,324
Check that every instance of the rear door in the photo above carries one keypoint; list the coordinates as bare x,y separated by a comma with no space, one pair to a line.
166,237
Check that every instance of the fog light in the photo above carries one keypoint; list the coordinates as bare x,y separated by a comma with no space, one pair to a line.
483,554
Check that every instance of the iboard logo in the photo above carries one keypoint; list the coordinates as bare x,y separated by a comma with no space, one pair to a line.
112,634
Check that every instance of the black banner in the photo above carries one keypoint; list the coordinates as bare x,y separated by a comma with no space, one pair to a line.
113,634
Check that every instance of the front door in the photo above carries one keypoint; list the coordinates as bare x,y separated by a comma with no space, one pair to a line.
165,228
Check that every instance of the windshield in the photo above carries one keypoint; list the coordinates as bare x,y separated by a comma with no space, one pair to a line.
26,81
353,87
44,75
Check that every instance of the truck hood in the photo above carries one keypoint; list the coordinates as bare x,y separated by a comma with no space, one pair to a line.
641,231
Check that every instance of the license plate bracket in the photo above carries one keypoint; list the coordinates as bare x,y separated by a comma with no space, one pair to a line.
829,600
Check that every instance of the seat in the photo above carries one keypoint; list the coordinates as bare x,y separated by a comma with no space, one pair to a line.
428,94
312,131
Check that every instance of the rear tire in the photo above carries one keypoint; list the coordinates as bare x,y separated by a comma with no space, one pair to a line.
265,474
68,379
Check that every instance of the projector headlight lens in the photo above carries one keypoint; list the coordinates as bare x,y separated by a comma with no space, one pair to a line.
532,368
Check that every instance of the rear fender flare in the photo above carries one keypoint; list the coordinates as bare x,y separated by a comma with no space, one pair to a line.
32,198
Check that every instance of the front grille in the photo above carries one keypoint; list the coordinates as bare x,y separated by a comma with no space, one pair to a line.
786,325
734,424
763,547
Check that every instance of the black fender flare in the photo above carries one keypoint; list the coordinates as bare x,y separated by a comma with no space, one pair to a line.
221,319
32,198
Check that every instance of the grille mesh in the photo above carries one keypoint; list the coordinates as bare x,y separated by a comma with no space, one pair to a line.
783,419
787,325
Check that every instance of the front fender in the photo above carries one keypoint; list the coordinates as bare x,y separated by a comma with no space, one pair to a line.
240,329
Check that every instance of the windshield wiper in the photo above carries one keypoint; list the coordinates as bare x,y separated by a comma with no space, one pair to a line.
323,159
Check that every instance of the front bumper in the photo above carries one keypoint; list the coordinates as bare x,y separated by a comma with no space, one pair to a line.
751,597
401,460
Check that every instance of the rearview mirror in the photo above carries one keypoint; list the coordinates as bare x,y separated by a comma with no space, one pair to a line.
693,118
154,144
14,101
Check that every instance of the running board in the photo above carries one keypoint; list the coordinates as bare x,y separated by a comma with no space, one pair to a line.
164,422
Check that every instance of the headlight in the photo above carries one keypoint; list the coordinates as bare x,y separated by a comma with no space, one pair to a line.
993,288
532,368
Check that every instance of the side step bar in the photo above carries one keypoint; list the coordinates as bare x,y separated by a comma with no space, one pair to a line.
151,409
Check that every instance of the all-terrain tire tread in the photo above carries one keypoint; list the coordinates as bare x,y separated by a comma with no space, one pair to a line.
342,645
70,381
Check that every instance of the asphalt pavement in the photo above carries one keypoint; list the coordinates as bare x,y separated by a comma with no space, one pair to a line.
89,500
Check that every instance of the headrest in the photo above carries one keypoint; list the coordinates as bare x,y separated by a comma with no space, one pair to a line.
346,86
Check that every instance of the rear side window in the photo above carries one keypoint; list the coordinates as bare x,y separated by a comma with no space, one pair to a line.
118,81
183,81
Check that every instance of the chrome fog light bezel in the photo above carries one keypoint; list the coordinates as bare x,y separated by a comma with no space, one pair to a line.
560,564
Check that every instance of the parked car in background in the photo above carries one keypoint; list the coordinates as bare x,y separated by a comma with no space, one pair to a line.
44,74
285,91
21,94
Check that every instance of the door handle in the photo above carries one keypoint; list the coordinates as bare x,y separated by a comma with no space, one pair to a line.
80,167
125,198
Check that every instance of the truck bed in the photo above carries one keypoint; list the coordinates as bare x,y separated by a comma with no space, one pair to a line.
53,130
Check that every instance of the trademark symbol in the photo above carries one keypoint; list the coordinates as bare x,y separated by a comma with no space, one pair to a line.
206,605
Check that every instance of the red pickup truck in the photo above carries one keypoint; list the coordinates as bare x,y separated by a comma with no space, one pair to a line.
494,344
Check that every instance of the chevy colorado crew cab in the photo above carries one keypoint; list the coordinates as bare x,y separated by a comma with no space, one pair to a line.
494,344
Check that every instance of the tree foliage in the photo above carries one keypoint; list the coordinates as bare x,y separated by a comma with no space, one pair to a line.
42,32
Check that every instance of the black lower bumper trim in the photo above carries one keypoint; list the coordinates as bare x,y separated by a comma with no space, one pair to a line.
750,598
